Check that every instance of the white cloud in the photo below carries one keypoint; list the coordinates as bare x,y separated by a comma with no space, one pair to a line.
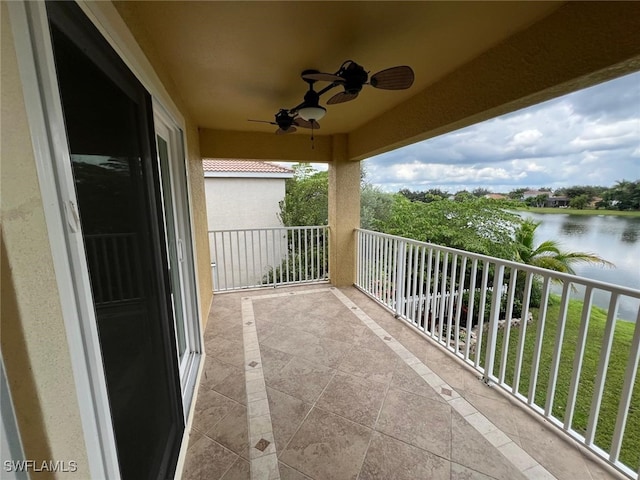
526,138
588,137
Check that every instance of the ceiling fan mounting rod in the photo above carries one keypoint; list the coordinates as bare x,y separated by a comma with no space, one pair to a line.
319,92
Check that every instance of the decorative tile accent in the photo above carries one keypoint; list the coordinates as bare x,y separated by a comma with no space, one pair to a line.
263,462
262,444
387,338
446,391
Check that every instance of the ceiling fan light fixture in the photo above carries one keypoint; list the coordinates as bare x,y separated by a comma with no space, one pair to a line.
312,112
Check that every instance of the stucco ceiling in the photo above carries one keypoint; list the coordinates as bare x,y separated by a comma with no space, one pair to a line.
234,61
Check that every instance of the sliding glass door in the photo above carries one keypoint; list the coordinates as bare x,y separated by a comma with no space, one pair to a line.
124,211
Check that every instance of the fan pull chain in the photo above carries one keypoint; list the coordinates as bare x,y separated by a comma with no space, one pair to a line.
312,139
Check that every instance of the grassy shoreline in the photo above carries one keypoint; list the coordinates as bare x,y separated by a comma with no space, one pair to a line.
573,211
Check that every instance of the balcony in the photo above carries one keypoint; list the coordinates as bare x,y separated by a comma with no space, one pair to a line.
363,382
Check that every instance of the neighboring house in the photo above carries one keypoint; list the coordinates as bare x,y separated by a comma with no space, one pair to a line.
243,195
557,201
495,196
534,193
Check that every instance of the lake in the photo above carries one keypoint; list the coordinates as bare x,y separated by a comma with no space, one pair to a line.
616,239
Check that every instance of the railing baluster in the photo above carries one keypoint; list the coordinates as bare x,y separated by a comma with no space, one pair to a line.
434,296
451,298
557,351
470,307
400,275
459,290
391,269
409,283
225,261
506,337
581,342
481,310
378,273
601,376
494,315
627,390
523,331
421,322
443,296
542,318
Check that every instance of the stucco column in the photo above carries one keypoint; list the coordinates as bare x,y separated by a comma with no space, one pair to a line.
344,213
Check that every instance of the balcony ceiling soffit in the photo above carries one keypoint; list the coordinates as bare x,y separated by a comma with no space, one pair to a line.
232,61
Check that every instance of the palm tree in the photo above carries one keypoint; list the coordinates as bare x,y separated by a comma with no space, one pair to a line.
548,253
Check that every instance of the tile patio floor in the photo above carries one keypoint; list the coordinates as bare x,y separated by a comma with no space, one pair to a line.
322,383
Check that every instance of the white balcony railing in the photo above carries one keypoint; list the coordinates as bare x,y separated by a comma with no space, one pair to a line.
471,305
263,257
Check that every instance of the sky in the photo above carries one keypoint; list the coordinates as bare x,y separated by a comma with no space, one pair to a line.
589,137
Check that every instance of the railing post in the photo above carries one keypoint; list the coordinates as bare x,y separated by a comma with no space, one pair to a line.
492,334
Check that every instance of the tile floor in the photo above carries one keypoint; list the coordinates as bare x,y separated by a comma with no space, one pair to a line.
321,383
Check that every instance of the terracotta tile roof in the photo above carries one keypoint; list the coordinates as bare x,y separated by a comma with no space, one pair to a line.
248,166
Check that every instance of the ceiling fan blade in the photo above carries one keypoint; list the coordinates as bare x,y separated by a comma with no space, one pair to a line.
322,77
263,121
341,98
394,78
282,131
301,122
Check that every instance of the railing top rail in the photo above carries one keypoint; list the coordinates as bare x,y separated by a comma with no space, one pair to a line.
260,229
618,289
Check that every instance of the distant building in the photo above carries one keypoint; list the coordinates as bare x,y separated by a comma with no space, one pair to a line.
534,193
557,201
495,196
243,195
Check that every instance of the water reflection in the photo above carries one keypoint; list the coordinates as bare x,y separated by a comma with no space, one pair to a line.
630,234
616,239
571,227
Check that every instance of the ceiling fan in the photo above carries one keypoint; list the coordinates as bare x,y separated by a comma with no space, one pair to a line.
288,121
352,77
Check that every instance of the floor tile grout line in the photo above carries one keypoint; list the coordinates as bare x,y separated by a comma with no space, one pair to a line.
295,469
480,421
375,423
263,466
313,405
230,466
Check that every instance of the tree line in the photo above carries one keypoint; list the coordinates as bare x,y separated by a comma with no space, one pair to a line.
466,221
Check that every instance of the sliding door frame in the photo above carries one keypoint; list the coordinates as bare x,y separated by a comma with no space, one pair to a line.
189,364
53,164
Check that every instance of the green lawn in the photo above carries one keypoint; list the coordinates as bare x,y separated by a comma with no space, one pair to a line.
630,453
573,211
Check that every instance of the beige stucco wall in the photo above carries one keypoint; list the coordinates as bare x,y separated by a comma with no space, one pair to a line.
344,213
243,202
32,330
239,203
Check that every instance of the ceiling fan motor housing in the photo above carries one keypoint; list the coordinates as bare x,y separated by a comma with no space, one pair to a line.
354,78
284,120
